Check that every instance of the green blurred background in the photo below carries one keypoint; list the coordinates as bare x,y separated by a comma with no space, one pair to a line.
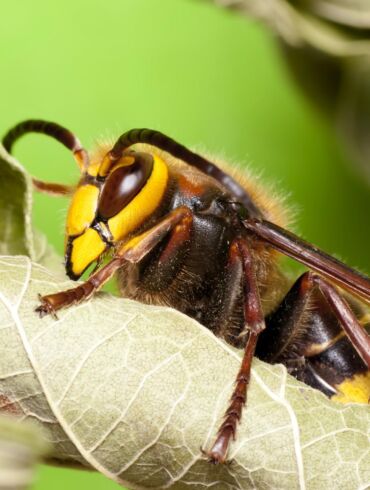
204,76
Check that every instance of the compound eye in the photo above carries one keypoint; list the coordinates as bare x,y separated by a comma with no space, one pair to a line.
123,184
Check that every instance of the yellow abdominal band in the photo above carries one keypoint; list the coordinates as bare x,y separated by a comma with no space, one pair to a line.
143,204
355,389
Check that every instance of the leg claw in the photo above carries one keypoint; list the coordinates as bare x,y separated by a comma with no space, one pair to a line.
215,458
45,308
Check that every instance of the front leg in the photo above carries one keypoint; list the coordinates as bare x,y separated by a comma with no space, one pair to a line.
51,303
132,251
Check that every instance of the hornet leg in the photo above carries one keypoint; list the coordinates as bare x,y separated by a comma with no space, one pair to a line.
254,325
132,251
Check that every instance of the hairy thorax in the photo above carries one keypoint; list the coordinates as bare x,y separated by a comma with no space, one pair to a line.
188,270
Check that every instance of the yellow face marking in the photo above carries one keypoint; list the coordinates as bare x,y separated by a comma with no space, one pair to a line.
82,209
143,205
85,249
315,349
355,389
93,169
107,165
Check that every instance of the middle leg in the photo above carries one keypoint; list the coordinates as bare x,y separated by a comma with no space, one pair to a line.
254,324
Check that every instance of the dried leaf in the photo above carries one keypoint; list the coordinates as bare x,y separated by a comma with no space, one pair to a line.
18,236
305,22
326,44
20,449
353,114
354,13
15,207
134,391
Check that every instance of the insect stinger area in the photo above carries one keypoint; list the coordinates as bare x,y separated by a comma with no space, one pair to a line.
197,236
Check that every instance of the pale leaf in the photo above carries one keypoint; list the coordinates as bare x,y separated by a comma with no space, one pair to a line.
20,450
15,207
134,391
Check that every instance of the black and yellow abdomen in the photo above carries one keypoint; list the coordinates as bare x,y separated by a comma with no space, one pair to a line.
314,346
332,361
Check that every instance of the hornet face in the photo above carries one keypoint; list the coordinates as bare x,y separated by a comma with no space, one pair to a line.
109,203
